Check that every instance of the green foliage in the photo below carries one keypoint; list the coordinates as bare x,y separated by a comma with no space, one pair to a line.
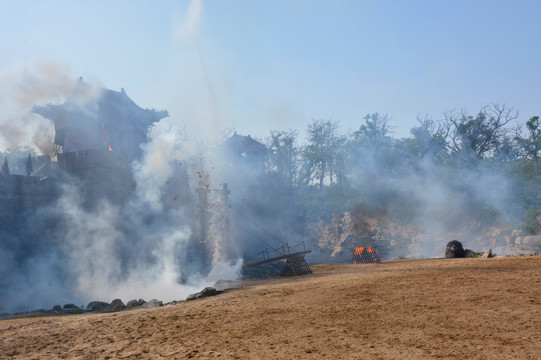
530,220
284,156
454,158
530,146
320,204
322,155
480,137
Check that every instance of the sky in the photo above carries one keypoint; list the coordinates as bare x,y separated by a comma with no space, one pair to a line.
253,66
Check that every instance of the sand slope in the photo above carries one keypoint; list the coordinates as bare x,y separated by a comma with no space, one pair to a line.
419,309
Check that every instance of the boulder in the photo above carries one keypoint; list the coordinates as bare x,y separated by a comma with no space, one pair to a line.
208,291
454,249
116,305
152,303
71,309
97,306
132,304
531,240
141,302
470,253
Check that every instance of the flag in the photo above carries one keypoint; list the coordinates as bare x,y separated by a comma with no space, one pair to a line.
5,167
29,168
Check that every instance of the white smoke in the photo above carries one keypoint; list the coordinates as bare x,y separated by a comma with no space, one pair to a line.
110,250
188,22
155,168
21,88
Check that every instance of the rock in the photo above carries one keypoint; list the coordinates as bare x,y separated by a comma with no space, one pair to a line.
116,305
141,302
97,306
175,302
470,253
57,308
516,233
71,309
531,240
454,249
132,304
152,303
487,254
208,291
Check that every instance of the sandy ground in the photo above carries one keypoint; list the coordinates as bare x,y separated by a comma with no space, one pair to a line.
418,309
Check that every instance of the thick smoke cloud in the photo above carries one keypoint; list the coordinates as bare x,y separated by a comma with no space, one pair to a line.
140,248
25,86
430,201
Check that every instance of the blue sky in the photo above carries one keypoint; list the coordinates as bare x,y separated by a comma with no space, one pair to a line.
255,66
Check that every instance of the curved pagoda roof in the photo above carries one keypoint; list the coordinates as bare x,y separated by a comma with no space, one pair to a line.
101,105
94,118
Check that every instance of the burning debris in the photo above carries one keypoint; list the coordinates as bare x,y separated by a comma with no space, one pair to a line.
362,255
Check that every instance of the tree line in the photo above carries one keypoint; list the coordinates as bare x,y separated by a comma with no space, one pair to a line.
471,156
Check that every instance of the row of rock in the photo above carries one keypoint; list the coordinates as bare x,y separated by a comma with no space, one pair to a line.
115,305
100,306
118,305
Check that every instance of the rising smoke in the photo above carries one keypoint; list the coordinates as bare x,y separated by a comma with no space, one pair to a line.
25,86
139,248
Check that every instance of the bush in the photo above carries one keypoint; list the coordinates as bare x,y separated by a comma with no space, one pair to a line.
530,220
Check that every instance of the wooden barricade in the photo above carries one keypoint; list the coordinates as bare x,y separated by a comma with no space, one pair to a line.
362,255
296,265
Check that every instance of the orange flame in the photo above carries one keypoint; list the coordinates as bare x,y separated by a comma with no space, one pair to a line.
110,148
359,250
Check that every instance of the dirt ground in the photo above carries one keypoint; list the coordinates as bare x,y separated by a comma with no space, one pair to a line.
416,309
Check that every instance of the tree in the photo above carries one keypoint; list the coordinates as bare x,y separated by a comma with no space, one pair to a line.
370,148
428,140
322,155
479,137
531,145
284,156
376,131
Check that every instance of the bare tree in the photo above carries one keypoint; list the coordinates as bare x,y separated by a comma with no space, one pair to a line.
480,136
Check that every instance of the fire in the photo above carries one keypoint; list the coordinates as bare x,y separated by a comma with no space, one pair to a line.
362,256
360,249
110,148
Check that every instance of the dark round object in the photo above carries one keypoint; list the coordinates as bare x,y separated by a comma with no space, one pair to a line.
454,249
